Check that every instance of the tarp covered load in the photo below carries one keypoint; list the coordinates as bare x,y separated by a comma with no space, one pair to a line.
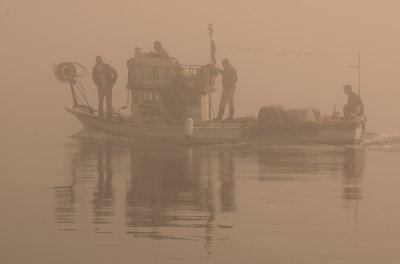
278,115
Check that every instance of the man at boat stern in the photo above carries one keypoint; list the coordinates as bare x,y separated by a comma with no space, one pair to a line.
104,76
229,79
354,103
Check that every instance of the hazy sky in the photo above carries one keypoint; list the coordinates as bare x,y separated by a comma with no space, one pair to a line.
35,33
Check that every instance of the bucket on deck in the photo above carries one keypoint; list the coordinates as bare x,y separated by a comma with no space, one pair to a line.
188,127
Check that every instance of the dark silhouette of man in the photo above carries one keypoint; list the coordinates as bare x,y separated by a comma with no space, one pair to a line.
229,79
354,103
163,52
104,76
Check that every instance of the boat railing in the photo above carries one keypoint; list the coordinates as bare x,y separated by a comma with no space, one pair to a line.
161,77
192,68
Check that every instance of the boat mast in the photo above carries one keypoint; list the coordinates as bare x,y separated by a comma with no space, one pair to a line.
213,49
213,61
358,66
359,73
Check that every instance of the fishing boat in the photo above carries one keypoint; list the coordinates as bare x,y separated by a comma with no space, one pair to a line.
172,102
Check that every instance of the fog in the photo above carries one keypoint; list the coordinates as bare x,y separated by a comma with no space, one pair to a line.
105,200
36,33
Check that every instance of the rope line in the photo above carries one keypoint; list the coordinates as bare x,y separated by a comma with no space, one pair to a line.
282,52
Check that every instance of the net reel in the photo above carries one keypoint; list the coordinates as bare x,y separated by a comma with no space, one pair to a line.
69,72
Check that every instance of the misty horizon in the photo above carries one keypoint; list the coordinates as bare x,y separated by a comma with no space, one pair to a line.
35,37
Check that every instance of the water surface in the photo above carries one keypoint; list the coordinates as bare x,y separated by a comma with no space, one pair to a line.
102,200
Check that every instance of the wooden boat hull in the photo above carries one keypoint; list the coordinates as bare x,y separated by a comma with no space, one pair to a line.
341,133
344,133
175,134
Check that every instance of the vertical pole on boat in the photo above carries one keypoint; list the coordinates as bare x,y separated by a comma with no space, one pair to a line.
213,61
71,85
359,73
213,49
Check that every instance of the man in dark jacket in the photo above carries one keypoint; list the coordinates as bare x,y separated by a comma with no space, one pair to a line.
229,79
104,76
354,103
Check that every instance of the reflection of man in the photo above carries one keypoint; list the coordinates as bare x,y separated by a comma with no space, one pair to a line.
354,103
227,181
229,79
103,196
353,172
104,76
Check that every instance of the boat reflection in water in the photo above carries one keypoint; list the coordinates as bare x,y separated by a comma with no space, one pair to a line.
304,163
90,172
163,191
158,191
353,171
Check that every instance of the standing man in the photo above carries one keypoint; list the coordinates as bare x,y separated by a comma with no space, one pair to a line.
104,76
354,103
229,79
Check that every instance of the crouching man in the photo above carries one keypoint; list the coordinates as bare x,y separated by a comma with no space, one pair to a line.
354,104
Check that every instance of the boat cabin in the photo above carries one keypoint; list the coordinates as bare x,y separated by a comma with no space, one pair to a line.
163,92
